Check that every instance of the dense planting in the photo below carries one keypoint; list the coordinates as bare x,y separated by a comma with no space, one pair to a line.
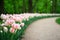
12,26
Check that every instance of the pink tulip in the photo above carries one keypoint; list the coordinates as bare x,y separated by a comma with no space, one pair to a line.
5,17
12,30
13,17
19,19
16,26
9,22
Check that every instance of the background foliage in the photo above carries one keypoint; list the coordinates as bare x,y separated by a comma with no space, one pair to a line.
35,6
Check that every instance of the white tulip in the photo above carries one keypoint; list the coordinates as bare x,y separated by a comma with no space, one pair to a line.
1,31
3,24
22,24
5,29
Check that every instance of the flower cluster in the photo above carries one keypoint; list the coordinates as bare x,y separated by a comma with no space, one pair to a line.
9,21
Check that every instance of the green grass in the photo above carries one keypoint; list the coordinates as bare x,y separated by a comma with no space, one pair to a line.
58,20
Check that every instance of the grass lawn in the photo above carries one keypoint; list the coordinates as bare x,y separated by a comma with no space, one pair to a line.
58,20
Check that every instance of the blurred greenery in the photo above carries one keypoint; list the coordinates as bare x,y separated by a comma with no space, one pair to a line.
38,6
58,20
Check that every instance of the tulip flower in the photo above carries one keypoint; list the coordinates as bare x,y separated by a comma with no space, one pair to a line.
16,26
5,29
22,24
12,30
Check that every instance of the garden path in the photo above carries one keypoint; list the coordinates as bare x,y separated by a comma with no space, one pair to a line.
43,29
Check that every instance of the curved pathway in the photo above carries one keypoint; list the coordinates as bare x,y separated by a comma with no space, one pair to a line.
44,29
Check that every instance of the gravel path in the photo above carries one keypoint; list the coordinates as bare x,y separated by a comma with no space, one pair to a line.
44,29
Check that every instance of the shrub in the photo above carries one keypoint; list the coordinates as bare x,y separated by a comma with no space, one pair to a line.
58,20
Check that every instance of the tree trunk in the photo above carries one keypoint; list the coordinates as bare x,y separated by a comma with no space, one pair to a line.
24,6
54,3
46,6
1,6
30,10
35,6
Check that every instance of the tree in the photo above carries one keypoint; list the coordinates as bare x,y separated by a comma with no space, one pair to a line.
54,3
1,6
34,8
30,6
24,6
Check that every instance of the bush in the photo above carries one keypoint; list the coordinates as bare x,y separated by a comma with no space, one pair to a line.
58,20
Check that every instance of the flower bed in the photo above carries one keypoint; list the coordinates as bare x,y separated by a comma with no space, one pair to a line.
12,27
